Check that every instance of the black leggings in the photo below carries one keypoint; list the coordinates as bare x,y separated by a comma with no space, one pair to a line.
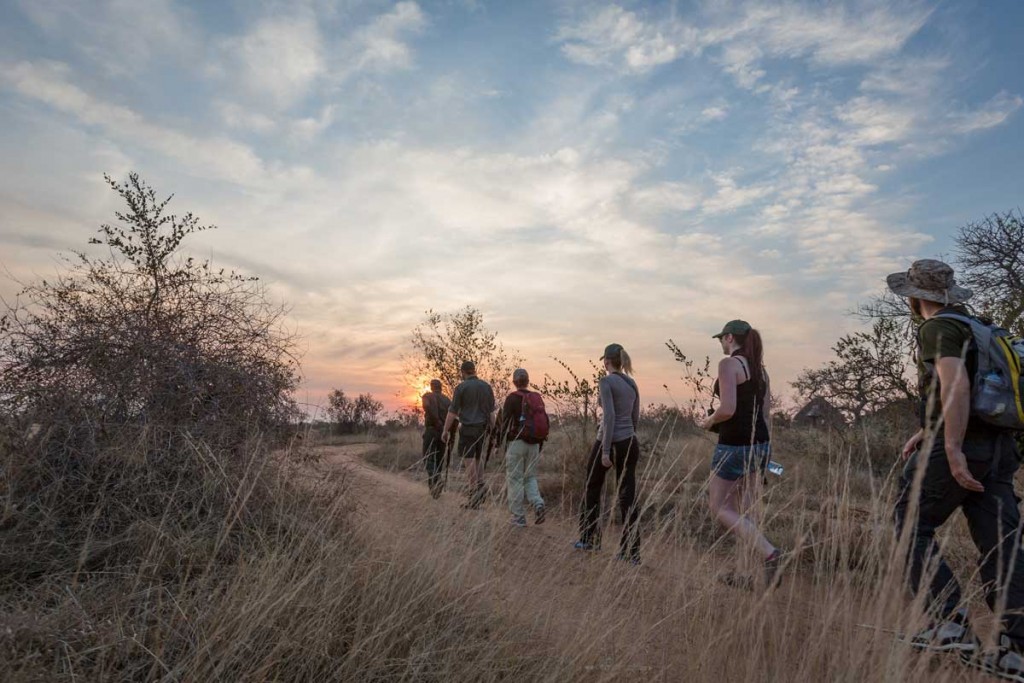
625,455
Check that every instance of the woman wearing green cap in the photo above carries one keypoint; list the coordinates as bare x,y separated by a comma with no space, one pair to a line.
616,445
744,446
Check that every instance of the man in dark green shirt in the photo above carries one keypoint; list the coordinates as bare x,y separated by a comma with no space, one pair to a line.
435,451
967,465
473,406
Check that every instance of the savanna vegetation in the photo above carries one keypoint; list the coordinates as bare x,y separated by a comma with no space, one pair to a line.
160,521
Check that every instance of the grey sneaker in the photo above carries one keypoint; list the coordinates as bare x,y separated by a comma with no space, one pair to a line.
951,635
539,515
518,521
1007,662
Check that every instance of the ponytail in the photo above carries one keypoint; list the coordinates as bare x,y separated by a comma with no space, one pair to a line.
627,362
622,362
752,349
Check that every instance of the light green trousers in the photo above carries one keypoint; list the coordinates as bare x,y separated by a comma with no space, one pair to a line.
521,475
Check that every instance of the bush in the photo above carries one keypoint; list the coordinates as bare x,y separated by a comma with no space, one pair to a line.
135,390
144,345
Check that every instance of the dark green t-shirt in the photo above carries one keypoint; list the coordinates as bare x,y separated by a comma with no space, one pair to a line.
940,338
473,402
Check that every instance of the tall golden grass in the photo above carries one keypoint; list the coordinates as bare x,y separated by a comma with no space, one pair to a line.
313,573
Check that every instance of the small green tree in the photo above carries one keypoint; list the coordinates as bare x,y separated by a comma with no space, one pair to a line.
443,340
698,378
576,397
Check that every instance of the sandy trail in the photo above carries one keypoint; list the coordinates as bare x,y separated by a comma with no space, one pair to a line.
563,600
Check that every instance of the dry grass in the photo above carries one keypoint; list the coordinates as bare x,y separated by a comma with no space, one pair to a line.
293,573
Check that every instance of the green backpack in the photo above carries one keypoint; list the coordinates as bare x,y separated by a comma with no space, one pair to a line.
998,385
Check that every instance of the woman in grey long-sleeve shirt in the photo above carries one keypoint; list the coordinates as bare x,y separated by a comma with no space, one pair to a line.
617,444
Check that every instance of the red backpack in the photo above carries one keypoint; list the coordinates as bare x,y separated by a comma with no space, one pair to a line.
533,424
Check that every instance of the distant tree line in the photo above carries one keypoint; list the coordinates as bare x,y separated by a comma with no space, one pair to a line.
350,415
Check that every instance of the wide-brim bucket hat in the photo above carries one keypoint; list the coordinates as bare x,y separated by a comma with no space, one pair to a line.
930,280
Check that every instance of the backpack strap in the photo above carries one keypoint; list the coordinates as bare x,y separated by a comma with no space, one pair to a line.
982,332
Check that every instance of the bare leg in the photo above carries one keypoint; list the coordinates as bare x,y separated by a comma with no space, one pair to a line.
724,500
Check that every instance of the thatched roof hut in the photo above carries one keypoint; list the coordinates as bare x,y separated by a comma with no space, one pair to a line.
819,413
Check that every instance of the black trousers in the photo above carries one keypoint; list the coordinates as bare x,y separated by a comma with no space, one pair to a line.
625,455
433,454
992,517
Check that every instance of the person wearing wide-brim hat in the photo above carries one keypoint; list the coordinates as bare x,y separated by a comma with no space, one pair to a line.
967,465
617,445
929,280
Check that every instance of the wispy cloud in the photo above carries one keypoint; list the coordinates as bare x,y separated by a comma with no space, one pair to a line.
123,37
276,62
52,83
621,38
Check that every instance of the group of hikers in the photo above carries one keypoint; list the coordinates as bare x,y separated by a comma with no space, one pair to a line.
964,456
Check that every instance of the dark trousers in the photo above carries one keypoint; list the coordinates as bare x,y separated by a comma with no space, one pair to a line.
625,455
992,517
433,454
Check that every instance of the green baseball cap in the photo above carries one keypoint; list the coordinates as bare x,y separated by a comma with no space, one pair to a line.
612,351
739,327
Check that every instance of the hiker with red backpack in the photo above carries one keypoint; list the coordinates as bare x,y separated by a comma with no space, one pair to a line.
524,424
964,457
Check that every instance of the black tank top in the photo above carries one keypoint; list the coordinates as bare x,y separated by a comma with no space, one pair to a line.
747,425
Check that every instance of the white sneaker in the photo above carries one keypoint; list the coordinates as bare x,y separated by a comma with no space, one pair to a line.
1007,662
944,636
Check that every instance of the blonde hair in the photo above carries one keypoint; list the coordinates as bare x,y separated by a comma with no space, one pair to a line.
624,364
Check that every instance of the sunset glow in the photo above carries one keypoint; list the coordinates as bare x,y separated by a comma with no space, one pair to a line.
581,172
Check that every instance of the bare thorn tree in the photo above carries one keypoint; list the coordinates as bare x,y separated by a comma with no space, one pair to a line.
870,371
990,253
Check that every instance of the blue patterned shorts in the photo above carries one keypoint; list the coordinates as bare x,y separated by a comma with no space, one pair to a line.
733,462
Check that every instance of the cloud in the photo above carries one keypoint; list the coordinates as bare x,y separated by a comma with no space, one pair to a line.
244,118
123,37
829,35
309,128
875,122
666,197
277,61
731,197
618,37
216,157
833,34
715,112
380,46
992,113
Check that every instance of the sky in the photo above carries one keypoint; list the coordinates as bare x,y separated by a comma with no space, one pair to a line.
581,172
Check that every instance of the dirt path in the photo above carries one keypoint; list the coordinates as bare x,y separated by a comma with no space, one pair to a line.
564,601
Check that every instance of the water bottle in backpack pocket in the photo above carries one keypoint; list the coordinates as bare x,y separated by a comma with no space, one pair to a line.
997,396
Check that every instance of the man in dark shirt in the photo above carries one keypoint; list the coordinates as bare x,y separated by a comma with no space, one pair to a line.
966,464
435,451
473,406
